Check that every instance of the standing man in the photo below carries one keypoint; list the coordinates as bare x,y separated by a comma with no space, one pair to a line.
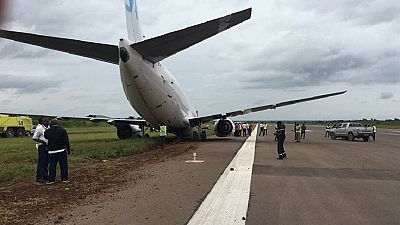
250,129
244,129
42,172
265,129
261,129
327,130
298,132
163,133
58,150
280,136
240,129
373,132
303,131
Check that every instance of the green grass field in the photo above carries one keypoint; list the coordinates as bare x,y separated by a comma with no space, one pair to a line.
18,155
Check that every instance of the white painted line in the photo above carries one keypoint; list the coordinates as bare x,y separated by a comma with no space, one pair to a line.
390,134
228,201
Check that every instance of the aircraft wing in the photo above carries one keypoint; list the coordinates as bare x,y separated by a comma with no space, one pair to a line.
98,51
93,118
205,119
161,47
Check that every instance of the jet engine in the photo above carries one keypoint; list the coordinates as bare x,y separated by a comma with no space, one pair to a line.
224,127
128,131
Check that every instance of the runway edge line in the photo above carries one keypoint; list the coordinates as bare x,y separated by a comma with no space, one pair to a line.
227,203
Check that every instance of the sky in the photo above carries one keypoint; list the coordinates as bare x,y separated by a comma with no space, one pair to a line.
289,49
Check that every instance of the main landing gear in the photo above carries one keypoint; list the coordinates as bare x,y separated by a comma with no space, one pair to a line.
203,135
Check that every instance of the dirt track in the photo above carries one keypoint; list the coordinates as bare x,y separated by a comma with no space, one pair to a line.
27,203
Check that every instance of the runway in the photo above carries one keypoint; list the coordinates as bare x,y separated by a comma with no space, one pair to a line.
323,181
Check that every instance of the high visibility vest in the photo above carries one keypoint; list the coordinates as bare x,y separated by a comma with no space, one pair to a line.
163,130
327,127
298,129
374,128
266,126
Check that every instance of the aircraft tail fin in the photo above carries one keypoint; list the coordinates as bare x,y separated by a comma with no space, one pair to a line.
132,21
161,47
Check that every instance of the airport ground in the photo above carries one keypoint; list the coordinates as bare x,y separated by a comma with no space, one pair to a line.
323,181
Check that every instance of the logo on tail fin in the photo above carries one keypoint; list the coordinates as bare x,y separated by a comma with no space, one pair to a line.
130,5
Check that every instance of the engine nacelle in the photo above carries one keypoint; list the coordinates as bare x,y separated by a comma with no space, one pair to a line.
125,131
224,127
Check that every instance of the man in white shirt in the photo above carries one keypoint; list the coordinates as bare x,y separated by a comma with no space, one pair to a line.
42,171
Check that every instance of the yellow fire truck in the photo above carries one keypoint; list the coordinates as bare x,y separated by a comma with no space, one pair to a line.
15,126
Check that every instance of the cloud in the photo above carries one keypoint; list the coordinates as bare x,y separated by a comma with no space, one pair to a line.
386,95
5,102
27,85
286,50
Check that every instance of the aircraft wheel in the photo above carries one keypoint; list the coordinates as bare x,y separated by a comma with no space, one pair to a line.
333,136
195,136
21,132
203,136
366,139
124,133
10,133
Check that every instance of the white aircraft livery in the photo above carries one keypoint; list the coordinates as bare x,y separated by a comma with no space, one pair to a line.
149,87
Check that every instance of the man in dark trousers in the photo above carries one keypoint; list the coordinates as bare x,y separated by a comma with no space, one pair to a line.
163,133
303,131
58,148
280,136
42,172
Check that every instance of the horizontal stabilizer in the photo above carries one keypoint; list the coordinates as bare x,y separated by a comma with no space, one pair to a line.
98,51
161,47
93,118
196,121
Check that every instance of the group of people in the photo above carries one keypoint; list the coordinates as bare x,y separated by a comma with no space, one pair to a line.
243,129
52,144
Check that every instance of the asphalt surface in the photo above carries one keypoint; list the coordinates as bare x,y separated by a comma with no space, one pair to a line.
326,181
323,181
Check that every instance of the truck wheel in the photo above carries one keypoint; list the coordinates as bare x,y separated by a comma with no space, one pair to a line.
366,139
21,132
333,136
195,136
350,137
10,133
203,135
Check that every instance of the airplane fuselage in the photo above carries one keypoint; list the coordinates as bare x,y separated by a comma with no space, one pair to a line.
153,91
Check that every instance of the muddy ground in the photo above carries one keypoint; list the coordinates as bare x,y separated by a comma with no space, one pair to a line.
25,202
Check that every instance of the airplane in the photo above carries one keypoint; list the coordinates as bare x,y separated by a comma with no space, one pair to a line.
150,88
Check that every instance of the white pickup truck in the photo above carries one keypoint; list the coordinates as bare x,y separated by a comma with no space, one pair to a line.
349,131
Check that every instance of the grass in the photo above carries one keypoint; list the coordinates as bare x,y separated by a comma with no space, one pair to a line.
18,155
